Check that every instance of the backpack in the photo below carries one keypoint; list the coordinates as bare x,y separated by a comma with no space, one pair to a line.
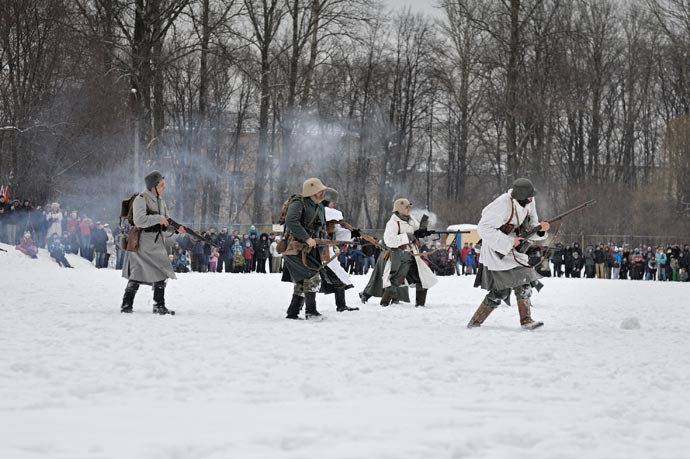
286,205
283,244
126,209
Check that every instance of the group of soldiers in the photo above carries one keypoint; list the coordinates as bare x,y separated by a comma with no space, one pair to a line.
310,259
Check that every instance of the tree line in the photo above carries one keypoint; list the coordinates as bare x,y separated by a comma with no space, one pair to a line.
239,101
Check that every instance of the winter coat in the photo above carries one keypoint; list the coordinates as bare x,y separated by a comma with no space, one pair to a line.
110,243
261,247
568,259
273,249
72,225
398,234
182,262
55,223
357,256
471,259
84,227
660,258
463,252
56,249
28,248
637,260
150,263
225,243
99,239
495,242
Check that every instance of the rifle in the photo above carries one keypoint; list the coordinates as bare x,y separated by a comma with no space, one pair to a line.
366,237
427,232
525,244
192,233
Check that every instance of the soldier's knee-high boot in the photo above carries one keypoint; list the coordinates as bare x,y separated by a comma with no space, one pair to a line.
524,308
295,307
128,298
420,297
387,296
159,299
310,311
480,315
340,304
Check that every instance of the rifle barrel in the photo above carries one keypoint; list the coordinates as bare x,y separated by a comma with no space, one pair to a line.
574,209
536,229
192,233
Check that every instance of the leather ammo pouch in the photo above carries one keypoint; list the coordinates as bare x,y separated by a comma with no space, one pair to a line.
281,247
133,239
293,246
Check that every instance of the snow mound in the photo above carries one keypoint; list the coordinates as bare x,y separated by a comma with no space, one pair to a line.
631,323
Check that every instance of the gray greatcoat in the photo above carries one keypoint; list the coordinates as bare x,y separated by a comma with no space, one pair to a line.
304,219
150,263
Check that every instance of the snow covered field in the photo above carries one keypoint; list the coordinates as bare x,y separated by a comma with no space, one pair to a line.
229,377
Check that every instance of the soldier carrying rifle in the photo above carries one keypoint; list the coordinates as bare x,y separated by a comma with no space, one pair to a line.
504,267
147,261
305,222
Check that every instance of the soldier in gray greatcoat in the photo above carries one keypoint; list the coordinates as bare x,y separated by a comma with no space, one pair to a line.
150,264
305,221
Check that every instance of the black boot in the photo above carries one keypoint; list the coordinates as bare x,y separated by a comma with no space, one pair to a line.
420,298
295,307
387,296
364,297
340,305
310,312
159,299
128,298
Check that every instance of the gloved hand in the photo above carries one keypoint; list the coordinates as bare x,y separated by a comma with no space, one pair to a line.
421,234
356,233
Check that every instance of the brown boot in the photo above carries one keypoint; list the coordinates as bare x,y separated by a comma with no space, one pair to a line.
524,307
480,315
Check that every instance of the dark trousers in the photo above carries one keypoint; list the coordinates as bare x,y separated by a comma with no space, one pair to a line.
224,259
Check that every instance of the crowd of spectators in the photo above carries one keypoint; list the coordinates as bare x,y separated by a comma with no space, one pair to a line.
58,230
669,262
30,227
236,252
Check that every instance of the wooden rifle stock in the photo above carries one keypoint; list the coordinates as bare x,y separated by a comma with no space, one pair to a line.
364,236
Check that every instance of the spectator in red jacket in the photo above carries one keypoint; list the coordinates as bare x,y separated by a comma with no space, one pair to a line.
463,255
85,233
27,246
